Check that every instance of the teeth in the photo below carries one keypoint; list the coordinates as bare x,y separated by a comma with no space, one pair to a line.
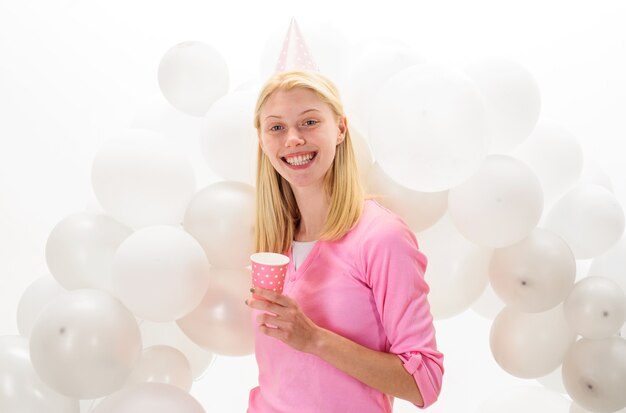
300,160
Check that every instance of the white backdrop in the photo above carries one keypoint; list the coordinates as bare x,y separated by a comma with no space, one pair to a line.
73,74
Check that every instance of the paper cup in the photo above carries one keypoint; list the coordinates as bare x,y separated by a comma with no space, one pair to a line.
268,271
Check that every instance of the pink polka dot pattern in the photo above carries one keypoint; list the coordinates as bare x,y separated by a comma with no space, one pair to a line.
270,277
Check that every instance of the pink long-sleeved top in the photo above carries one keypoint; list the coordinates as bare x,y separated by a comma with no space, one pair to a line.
368,287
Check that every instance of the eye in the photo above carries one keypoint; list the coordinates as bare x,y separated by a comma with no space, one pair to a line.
276,128
310,122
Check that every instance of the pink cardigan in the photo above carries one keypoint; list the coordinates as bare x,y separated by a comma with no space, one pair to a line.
368,287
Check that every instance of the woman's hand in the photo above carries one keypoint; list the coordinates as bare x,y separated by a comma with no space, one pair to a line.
288,323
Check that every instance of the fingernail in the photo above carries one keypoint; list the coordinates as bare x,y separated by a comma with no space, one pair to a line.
246,301
251,289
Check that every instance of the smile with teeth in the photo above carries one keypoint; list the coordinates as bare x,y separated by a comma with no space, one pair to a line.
300,160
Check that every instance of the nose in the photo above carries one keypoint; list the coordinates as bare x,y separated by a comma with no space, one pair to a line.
294,138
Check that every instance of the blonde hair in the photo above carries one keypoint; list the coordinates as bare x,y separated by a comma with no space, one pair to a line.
277,212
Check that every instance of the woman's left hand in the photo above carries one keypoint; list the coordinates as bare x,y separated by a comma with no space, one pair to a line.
292,326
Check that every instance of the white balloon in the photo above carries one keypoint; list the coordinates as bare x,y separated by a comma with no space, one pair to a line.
534,274
555,155
160,273
611,264
499,205
80,249
85,344
589,218
221,217
21,389
420,210
228,137
488,305
513,98
169,334
525,399
193,75
34,299
596,307
222,322
429,128
530,345
150,397
594,373
370,71
162,364
457,269
140,179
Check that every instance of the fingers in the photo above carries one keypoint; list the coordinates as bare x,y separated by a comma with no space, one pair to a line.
272,296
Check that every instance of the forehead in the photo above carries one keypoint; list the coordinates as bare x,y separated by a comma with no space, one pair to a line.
286,101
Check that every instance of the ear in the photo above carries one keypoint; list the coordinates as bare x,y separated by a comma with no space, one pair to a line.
343,127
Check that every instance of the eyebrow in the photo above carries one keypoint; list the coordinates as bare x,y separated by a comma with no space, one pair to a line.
306,111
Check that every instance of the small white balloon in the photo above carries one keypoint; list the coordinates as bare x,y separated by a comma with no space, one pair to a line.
512,96
594,373
589,218
35,298
611,264
429,128
499,205
150,397
85,344
457,269
80,249
221,217
162,364
160,273
140,179
222,322
420,210
596,307
555,155
169,334
534,274
530,345
228,137
21,389
193,75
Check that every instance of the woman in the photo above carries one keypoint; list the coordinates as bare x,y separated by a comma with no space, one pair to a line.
352,328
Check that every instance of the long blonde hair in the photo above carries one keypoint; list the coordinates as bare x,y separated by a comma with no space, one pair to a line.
277,212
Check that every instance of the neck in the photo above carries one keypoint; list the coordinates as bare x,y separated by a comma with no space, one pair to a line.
314,206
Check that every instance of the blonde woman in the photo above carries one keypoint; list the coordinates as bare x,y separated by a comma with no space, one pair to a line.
352,328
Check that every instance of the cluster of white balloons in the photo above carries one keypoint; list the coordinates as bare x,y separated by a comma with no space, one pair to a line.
141,296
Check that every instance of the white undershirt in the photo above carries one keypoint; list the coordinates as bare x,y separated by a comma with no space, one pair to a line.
300,250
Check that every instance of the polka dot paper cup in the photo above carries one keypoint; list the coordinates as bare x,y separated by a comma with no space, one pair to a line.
268,271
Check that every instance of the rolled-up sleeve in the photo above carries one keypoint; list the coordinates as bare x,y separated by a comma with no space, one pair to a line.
394,269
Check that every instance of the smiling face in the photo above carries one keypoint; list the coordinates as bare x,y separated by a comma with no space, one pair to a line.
299,133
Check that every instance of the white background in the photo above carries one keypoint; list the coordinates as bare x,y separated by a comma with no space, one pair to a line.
75,73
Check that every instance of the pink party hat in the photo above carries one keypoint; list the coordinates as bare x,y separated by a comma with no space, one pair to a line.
295,55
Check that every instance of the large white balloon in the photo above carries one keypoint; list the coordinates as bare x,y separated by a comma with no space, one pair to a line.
160,273
228,137
499,205
596,307
594,373
457,270
169,334
140,179
534,274
150,397
611,264
221,217
370,71
429,128
80,250
21,389
222,322
420,210
525,399
512,96
162,364
85,344
34,299
555,155
589,218
193,75
530,345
